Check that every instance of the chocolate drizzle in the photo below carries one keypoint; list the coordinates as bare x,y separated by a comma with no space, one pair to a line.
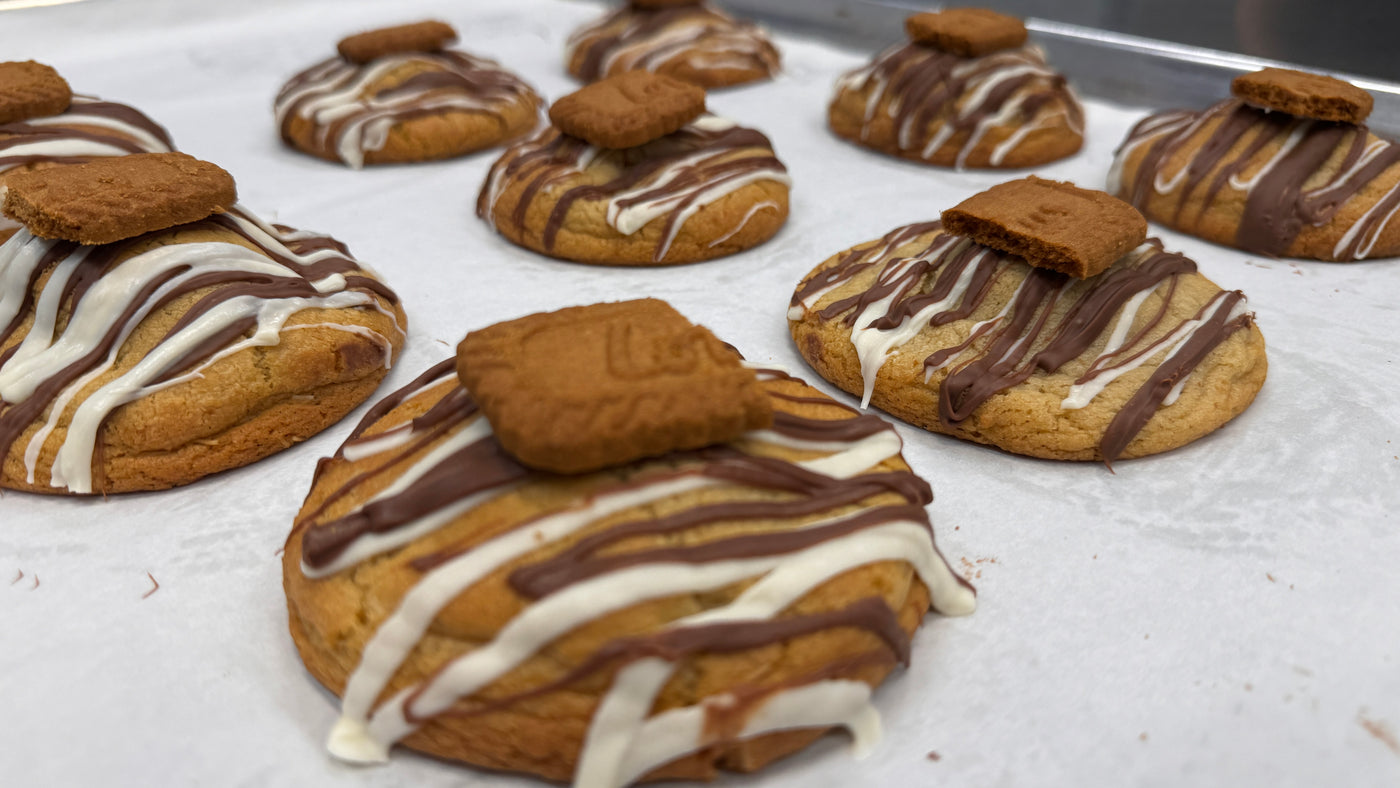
1050,321
90,128
1277,205
679,171
941,105
220,286
698,36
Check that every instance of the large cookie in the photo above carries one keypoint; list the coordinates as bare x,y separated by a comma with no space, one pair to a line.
664,618
931,101
85,129
692,41
965,340
396,95
707,189
1268,182
176,353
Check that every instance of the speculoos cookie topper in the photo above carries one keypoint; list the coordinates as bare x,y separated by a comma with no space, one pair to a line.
690,40
1286,168
966,90
729,584
153,331
399,94
635,172
44,124
1062,335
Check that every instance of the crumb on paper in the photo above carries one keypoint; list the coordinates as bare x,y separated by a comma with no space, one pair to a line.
1379,730
934,756
18,576
1271,577
1142,736
440,342
1248,687
155,586
36,582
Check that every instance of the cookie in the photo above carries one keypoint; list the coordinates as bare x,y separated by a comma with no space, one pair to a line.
967,32
964,340
1303,94
586,388
691,41
627,110
1050,224
161,359
665,618
709,189
429,36
84,129
31,90
113,199
412,101
1270,183
1003,109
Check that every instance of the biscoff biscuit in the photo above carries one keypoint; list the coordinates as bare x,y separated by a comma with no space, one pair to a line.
426,36
111,199
587,388
1052,224
627,110
31,90
1303,94
969,32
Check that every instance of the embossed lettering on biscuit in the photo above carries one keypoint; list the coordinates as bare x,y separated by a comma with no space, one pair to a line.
969,32
629,109
1303,94
1051,224
591,387
31,90
111,199
428,36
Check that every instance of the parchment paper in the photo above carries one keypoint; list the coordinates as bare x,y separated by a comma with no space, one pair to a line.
1222,615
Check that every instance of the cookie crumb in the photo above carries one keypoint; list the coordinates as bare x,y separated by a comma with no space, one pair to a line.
1142,736
934,756
1379,730
155,586
18,576
1271,577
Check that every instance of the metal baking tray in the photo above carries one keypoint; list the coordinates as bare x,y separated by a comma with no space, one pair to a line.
1116,67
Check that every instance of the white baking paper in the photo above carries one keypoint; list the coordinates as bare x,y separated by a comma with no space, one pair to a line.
1225,614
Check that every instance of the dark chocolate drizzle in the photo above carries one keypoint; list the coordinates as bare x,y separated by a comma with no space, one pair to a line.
19,133
1277,206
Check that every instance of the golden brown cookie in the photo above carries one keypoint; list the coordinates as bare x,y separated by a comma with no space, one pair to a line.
1050,224
429,36
1266,182
627,110
968,32
1006,108
586,388
76,129
692,41
667,618
1305,95
165,357
31,90
411,101
961,339
113,199
709,189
